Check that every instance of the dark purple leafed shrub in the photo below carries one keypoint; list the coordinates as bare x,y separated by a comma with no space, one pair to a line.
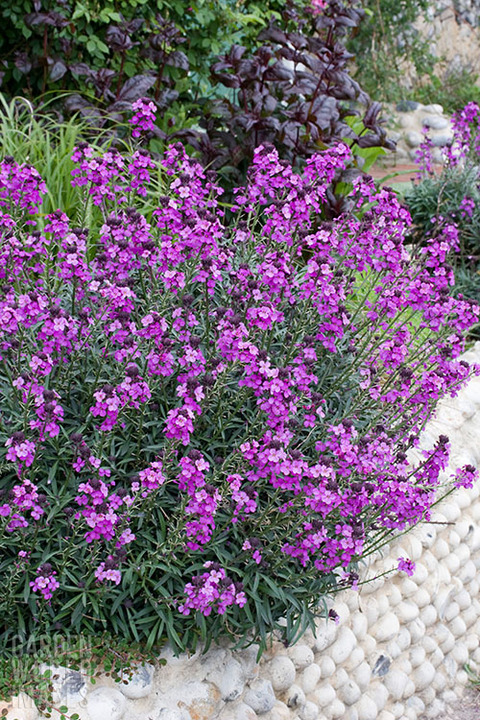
294,91
288,84
205,420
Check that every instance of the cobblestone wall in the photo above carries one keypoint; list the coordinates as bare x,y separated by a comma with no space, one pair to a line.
453,30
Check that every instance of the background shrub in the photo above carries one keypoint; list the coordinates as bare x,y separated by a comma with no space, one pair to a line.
393,61
294,91
50,38
206,417
283,77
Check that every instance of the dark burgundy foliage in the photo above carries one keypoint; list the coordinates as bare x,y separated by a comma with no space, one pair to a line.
294,92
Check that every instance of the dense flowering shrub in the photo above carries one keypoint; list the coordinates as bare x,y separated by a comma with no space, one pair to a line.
206,414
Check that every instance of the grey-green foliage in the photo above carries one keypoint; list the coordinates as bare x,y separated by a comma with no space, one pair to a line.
438,199
441,196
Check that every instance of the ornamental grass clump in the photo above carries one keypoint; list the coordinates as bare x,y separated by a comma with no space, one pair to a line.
206,413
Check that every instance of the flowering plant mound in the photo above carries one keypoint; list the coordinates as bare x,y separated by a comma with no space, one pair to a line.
206,416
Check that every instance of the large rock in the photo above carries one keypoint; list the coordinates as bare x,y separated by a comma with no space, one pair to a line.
436,122
229,677
413,138
20,707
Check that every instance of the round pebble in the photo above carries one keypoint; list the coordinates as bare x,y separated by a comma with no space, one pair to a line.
398,710
451,611
327,666
362,675
428,615
423,675
417,630
349,693
417,656
339,677
441,548
294,697
324,695
356,657
458,627
395,682
282,673
336,709
460,653
407,611
421,598
309,711
467,572
413,138
343,645
471,643
310,678
435,122
260,696
104,702
367,710
463,599
359,625
379,694
301,656
387,627
439,681
448,644
436,658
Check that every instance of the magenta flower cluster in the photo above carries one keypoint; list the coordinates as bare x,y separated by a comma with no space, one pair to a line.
45,582
143,119
206,376
406,566
212,590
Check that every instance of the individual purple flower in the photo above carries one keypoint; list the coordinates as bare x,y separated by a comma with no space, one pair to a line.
406,565
254,544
